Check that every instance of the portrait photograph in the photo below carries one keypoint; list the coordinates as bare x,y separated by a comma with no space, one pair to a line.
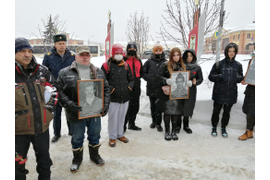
90,98
250,74
179,88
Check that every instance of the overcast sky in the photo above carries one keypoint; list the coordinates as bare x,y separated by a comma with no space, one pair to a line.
88,18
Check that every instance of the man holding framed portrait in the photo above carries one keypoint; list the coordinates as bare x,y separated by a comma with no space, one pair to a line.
83,78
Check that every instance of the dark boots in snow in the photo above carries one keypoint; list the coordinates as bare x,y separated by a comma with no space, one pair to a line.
214,131
186,125
223,132
94,155
77,159
179,122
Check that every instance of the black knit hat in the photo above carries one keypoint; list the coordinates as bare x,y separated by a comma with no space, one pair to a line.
131,45
22,43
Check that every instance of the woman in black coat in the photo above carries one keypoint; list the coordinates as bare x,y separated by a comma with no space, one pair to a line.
190,60
172,108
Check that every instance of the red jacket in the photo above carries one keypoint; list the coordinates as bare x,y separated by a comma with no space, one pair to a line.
135,65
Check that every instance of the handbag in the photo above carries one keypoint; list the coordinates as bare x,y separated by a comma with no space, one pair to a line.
166,89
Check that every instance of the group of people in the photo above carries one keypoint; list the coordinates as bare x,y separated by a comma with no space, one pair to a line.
121,75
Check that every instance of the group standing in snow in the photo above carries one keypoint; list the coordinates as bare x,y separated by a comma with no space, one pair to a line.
122,89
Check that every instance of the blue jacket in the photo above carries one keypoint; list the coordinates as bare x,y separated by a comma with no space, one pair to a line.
54,62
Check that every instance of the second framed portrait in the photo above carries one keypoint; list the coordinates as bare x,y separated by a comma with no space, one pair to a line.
180,89
90,98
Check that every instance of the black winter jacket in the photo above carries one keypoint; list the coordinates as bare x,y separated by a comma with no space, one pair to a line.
31,112
151,69
67,80
120,80
226,77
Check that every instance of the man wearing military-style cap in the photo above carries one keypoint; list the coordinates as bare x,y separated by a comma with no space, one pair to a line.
82,69
59,58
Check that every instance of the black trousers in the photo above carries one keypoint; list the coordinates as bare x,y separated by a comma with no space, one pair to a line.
156,115
225,117
133,108
57,121
250,122
41,147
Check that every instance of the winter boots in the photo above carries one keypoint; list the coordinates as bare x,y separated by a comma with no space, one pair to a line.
168,135
214,131
248,134
94,155
186,125
78,157
223,132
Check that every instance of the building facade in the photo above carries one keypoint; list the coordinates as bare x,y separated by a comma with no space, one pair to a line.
243,36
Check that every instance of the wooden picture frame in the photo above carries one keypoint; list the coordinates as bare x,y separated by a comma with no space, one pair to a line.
250,74
180,89
90,98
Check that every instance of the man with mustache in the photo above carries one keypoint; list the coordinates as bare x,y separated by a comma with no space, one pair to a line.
32,113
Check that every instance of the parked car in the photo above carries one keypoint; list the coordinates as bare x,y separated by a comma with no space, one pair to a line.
147,54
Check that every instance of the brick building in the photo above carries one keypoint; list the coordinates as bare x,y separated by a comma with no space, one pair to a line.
243,36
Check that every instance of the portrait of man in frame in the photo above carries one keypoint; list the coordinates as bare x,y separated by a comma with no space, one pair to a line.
90,98
180,89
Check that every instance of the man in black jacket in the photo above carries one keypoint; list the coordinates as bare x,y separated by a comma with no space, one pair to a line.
225,74
150,69
82,69
33,112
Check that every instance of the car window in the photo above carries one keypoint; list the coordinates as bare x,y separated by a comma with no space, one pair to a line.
146,53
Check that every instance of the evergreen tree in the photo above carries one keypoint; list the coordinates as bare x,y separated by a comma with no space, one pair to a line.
49,32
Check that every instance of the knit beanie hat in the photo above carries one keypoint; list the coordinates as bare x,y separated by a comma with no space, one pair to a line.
116,49
131,45
22,43
156,47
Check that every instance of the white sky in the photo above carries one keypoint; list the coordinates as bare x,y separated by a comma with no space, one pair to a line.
88,19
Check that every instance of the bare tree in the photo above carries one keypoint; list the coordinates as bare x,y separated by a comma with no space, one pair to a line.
138,30
181,21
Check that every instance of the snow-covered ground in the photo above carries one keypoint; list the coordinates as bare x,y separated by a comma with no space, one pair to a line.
149,156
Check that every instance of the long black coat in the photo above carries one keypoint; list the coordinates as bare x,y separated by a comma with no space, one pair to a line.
150,69
195,72
226,77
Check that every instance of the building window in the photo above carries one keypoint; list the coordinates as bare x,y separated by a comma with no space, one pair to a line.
233,37
248,35
238,36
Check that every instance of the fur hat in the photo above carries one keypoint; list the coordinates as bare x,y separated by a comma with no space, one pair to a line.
22,43
156,47
59,37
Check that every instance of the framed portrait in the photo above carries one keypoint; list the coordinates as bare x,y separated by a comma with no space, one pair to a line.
250,74
180,89
90,97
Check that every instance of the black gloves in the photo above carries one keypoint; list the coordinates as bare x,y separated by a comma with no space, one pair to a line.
104,111
74,107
